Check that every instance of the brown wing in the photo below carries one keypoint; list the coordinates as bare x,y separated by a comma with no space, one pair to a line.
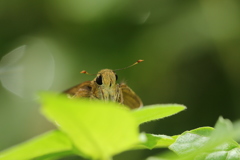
82,90
130,99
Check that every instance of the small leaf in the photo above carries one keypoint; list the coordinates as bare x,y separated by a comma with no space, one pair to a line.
154,112
98,129
54,142
156,141
208,143
190,141
236,132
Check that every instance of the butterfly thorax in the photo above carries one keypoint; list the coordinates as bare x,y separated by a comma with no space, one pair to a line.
108,89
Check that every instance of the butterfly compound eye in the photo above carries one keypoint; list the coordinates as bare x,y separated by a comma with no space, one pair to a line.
116,77
99,80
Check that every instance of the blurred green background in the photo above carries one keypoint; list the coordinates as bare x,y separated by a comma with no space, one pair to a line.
191,51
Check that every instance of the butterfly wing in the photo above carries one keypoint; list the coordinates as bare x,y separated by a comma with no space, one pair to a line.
130,98
81,90
86,90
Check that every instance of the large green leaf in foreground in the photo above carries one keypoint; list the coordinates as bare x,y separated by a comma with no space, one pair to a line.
53,143
93,129
98,129
158,111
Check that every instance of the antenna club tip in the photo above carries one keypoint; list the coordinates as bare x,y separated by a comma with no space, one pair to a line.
84,72
140,60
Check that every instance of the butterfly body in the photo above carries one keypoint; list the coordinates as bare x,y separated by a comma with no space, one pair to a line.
105,87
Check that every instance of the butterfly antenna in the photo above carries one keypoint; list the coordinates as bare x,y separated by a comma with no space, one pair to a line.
140,60
85,72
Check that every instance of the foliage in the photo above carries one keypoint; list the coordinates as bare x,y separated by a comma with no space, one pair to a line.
100,130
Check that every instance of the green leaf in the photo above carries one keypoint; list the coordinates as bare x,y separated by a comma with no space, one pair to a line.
208,143
167,155
51,143
98,129
191,141
236,132
151,141
154,112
